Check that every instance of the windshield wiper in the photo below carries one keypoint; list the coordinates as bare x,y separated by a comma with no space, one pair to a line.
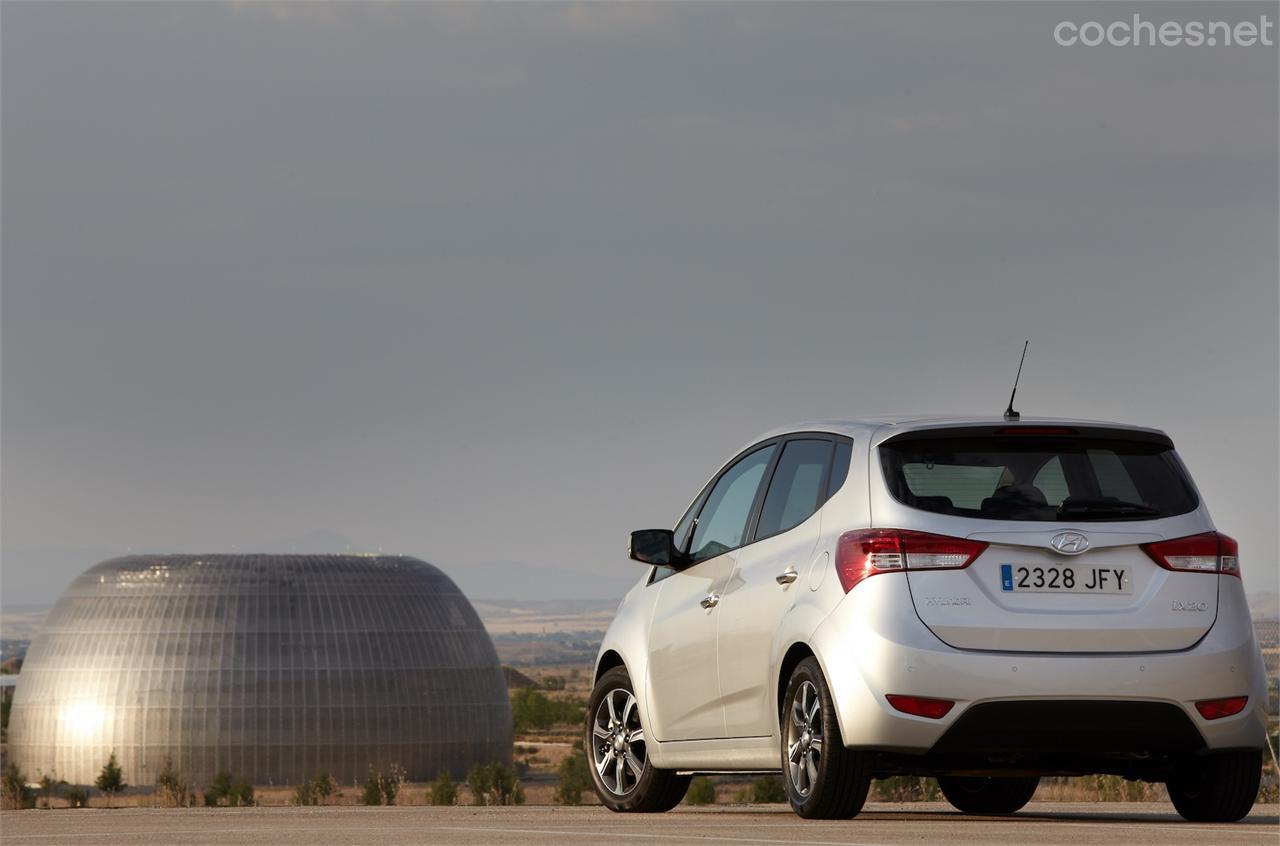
1106,506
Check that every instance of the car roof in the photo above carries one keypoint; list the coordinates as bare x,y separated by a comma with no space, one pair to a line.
883,426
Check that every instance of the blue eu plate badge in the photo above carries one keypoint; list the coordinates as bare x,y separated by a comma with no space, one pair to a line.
1006,577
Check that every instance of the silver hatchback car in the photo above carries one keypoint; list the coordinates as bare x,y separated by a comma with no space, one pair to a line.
983,600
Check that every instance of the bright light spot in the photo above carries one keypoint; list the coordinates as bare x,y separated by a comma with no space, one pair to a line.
83,719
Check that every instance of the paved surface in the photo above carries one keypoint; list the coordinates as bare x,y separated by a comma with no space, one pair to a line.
1038,823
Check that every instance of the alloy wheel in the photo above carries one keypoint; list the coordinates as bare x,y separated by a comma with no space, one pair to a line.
804,738
618,746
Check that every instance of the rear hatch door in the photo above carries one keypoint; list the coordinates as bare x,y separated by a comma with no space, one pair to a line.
1064,515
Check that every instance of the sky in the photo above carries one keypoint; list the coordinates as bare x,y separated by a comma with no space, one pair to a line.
493,285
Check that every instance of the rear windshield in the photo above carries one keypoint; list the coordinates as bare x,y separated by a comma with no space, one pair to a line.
1038,478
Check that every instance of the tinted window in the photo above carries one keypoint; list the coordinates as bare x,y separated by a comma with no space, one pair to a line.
839,467
796,489
1038,478
723,520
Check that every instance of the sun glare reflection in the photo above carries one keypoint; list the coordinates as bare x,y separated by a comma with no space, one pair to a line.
83,719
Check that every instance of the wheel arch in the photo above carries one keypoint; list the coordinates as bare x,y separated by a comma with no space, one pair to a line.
609,659
795,653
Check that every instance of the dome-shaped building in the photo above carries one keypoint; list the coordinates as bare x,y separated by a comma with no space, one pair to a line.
272,667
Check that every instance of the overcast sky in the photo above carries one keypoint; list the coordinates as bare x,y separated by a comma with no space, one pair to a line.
493,285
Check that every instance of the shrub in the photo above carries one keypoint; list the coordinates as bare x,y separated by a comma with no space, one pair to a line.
242,793
443,791
111,780
219,789
767,790
532,709
480,782
574,779
316,790
15,793
906,789
494,784
224,789
701,792
171,790
382,788
51,787
76,796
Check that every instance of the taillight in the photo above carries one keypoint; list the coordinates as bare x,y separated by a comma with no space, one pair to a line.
868,552
1212,552
1216,709
920,706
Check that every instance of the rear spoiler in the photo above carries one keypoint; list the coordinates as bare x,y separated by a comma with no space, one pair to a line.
1063,431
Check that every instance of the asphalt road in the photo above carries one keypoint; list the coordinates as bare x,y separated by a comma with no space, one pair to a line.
1040,823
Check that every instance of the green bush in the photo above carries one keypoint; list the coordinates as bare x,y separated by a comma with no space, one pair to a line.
767,790
494,784
111,780
224,789
574,779
316,790
701,792
443,790
382,788
532,709
15,793
76,796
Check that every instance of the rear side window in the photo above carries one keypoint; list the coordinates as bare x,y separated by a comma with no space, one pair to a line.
1019,477
839,467
796,490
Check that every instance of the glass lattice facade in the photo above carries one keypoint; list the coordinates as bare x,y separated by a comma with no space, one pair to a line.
273,667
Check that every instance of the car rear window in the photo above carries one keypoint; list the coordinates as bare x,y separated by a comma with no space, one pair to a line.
1021,477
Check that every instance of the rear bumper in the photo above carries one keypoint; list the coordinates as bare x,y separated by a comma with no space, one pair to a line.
873,644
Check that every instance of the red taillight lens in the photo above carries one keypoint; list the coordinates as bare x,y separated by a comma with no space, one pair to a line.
867,552
920,706
1212,552
1216,709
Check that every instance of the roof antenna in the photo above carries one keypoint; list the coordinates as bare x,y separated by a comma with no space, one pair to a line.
1009,413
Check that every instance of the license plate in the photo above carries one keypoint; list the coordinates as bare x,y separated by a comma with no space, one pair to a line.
1035,578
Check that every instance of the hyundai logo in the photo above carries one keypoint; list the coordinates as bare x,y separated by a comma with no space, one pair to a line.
1069,543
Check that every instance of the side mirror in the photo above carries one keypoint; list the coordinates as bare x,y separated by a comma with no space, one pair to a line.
655,546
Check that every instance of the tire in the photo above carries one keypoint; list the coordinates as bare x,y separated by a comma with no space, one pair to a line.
824,781
615,746
1217,788
988,796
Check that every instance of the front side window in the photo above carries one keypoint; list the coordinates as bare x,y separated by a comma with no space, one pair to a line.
796,490
723,520
1018,477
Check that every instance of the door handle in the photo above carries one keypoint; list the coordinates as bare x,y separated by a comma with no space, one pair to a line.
711,600
787,576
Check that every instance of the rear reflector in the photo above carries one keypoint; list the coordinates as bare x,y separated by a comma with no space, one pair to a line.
1215,709
1211,552
868,552
920,706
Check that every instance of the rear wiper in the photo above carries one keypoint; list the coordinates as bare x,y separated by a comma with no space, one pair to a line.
1106,506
